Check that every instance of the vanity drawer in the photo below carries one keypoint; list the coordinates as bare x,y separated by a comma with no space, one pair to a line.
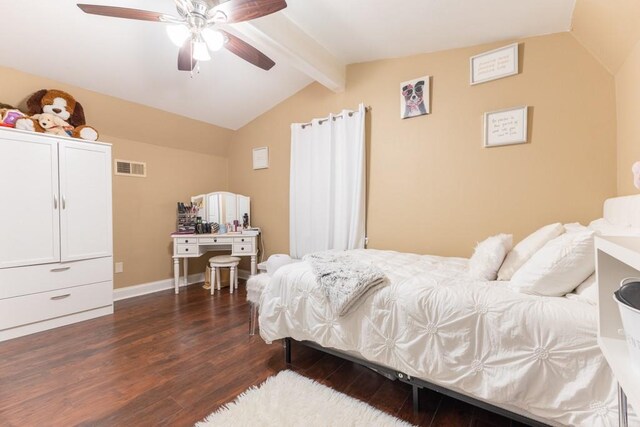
32,279
186,240
214,240
187,249
243,240
48,305
239,249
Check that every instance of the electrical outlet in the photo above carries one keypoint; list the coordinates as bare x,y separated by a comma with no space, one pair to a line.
119,267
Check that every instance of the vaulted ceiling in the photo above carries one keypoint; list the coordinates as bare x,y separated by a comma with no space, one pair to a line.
311,40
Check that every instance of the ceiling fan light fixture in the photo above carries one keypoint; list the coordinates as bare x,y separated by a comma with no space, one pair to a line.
214,39
178,34
200,51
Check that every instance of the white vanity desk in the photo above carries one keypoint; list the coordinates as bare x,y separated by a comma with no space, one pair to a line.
187,246
222,208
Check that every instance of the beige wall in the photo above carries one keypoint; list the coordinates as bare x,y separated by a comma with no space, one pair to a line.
607,28
432,187
184,157
122,119
628,109
145,208
610,30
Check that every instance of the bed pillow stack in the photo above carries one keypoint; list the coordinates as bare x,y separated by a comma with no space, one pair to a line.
524,250
488,256
559,266
588,290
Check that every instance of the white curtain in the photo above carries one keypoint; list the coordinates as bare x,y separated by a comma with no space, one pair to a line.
327,188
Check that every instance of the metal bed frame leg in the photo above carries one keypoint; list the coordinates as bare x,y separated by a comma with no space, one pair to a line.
623,420
253,318
416,398
287,351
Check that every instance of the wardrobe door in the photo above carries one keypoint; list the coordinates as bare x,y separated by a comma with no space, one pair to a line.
85,200
29,207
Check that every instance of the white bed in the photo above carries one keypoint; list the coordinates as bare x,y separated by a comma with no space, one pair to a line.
535,356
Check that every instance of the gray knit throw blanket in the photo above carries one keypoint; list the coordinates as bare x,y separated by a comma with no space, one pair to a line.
344,280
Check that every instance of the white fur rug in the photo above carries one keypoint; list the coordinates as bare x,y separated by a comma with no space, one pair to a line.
289,399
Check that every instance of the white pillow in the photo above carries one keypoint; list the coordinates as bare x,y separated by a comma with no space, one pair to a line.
559,267
488,256
574,227
588,290
526,248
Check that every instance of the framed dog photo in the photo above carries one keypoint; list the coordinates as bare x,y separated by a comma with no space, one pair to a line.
414,97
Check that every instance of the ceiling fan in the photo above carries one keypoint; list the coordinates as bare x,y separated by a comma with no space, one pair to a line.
195,30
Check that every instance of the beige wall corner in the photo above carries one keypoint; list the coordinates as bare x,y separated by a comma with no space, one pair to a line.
145,208
432,187
123,119
607,28
628,111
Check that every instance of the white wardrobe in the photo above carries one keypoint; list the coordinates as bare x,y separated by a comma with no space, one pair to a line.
56,250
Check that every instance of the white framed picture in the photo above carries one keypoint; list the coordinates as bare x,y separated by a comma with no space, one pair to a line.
261,158
495,64
505,127
414,97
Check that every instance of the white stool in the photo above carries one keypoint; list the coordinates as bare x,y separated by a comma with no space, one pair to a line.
224,261
255,287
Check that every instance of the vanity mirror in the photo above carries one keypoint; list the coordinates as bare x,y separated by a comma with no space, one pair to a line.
223,207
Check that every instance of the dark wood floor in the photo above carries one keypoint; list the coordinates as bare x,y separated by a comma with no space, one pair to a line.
170,360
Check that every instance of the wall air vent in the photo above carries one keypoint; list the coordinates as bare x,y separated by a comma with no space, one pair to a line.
129,168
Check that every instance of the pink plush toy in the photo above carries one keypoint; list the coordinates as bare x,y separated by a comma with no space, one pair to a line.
636,174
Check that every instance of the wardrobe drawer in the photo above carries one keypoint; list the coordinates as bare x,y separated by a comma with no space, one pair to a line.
48,277
48,305
187,249
240,249
185,240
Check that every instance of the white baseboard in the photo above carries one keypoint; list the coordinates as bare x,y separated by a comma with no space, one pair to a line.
163,285
149,288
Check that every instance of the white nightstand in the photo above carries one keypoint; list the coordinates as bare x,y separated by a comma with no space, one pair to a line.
617,258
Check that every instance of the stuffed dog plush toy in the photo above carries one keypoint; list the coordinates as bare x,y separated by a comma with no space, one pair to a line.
50,123
62,105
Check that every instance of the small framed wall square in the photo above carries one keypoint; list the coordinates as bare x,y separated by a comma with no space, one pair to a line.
505,127
261,158
495,64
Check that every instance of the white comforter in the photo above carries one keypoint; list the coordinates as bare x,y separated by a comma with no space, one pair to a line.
533,355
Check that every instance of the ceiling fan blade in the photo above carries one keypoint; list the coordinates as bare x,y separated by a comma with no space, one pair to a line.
247,52
185,57
124,12
244,10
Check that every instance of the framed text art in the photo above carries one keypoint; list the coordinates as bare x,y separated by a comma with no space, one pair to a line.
495,64
505,127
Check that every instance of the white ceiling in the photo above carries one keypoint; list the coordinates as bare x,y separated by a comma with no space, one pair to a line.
365,30
135,60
